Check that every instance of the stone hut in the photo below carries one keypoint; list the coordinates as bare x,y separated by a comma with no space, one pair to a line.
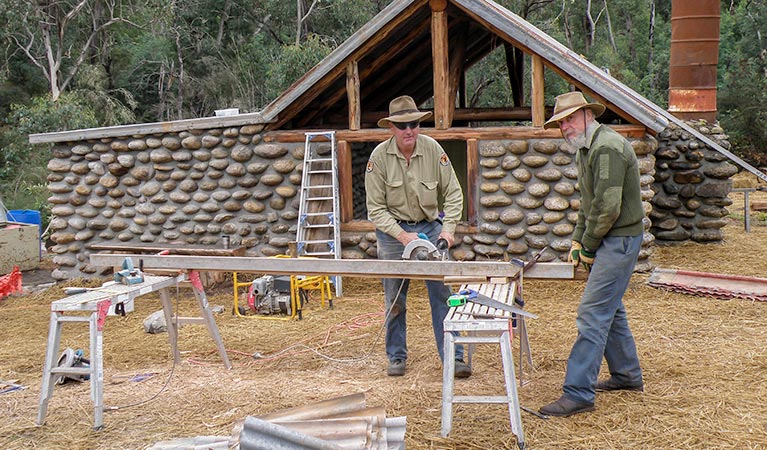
196,181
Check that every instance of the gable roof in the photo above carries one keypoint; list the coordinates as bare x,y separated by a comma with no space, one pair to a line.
394,55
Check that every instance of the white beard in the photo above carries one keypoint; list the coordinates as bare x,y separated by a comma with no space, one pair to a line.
577,142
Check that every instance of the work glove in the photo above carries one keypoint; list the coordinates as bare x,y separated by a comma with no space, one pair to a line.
573,257
587,258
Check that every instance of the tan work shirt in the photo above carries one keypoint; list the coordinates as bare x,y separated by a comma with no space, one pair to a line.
398,191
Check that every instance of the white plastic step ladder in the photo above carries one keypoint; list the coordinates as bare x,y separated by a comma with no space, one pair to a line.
318,233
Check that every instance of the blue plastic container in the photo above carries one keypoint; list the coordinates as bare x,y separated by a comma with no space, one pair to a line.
29,216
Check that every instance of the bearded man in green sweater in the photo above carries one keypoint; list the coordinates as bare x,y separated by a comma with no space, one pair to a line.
606,242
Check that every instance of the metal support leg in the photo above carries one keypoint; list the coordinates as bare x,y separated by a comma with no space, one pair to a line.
202,301
46,390
167,309
511,389
525,356
97,368
448,373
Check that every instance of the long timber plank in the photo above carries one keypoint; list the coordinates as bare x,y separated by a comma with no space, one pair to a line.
425,270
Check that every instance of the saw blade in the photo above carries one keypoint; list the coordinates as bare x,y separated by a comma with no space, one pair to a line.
420,250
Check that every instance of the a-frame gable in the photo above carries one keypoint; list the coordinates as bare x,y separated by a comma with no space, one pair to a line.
393,54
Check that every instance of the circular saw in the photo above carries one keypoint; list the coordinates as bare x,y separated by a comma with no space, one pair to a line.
423,250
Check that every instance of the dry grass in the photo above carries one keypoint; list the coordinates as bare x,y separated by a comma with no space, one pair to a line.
704,362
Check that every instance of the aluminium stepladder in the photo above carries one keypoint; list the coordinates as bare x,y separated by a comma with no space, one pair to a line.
318,233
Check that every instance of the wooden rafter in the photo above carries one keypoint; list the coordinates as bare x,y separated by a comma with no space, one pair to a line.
472,174
353,95
454,134
456,65
370,67
344,156
537,98
337,68
440,59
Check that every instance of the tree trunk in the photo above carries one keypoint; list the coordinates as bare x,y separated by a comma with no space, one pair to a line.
299,20
610,28
590,25
651,38
222,23
181,75
301,27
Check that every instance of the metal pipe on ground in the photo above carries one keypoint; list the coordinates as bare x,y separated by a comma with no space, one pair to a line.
259,434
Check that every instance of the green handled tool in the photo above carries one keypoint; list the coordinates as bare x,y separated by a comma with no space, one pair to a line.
470,295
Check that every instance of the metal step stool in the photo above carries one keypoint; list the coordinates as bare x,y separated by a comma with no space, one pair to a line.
473,331
97,303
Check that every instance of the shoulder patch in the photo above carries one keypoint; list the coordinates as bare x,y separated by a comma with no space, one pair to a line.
369,167
444,160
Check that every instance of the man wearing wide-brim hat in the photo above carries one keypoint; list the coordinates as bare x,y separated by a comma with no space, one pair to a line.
606,242
407,178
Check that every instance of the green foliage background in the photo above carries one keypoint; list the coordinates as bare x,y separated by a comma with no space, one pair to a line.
173,59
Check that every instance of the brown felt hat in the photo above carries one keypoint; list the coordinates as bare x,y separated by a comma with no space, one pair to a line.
567,104
403,109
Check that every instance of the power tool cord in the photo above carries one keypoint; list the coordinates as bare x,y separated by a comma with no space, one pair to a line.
366,355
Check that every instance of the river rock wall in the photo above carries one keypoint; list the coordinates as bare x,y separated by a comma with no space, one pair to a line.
692,184
197,186
528,202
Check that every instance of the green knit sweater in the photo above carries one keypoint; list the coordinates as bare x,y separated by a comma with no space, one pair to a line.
608,177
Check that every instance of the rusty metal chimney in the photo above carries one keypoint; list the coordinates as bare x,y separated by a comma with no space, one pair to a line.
694,56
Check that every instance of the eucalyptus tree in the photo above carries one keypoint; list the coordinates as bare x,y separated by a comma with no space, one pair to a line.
60,36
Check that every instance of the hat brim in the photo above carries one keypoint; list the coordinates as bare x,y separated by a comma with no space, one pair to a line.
597,108
409,117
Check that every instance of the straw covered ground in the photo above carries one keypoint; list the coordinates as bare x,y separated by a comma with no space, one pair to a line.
704,364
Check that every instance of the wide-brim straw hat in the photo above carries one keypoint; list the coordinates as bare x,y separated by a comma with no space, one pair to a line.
403,109
567,104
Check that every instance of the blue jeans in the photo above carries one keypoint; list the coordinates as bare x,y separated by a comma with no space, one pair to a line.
603,328
396,326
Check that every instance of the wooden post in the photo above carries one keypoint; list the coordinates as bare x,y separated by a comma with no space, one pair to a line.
346,200
537,102
455,67
472,179
439,55
353,95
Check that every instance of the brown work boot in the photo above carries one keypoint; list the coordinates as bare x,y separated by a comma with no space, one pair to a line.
565,407
611,384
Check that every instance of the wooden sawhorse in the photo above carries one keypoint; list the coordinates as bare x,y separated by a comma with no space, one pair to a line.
490,326
96,304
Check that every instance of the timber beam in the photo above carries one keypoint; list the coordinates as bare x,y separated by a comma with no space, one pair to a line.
424,270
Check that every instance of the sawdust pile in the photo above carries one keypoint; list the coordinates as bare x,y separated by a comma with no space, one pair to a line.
704,364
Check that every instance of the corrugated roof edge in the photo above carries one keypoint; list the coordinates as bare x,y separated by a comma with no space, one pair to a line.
148,128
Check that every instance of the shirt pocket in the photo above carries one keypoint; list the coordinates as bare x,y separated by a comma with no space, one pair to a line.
395,193
427,194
